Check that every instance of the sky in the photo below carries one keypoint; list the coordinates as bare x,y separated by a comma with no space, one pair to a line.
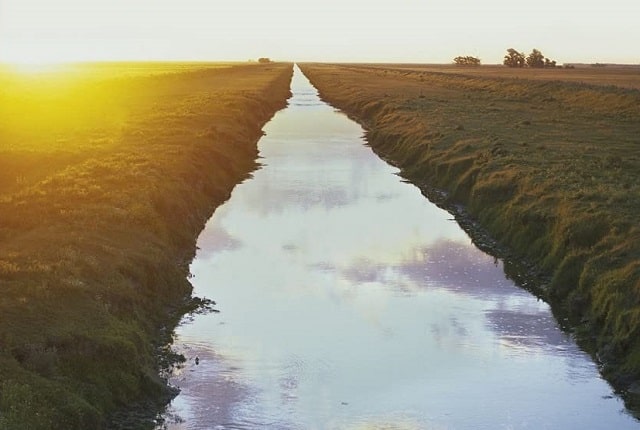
417,31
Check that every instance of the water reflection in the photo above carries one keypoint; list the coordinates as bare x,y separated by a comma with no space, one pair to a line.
454,265
529,331
350,302
217,395
216,238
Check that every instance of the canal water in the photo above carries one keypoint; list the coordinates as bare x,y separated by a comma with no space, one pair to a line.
348,301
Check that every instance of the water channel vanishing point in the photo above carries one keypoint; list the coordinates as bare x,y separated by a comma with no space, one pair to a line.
349,301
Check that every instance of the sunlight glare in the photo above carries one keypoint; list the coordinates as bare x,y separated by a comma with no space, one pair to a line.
37,67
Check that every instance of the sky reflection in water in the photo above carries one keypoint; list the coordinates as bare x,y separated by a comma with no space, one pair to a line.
348,301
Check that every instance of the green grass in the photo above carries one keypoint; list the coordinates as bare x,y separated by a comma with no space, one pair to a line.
108,176
550,168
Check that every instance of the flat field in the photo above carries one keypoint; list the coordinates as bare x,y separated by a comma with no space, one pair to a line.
549,165
624,76
108,172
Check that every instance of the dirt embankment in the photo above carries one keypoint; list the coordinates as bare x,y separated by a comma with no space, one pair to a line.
107,182
550,169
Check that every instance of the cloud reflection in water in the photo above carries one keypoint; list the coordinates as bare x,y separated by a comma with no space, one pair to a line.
349,302
519,320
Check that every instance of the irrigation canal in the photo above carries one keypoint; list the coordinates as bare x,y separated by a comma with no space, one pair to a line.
348,301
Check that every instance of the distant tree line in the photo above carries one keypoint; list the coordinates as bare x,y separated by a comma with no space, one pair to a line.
534,60
514,58
466,60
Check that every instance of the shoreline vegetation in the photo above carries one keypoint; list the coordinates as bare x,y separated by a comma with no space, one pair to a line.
108,173
545,163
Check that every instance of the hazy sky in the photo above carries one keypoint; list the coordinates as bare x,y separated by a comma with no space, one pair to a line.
322,30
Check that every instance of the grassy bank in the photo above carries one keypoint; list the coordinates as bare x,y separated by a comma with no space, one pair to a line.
550,168
107,176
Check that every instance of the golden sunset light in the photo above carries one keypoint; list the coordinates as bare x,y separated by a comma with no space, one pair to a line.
319,214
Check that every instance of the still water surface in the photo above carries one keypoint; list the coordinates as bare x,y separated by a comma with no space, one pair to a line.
349,301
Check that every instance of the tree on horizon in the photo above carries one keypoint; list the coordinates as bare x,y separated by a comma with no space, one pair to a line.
467,60
514,58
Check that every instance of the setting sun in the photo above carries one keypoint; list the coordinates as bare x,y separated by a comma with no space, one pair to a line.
32,67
